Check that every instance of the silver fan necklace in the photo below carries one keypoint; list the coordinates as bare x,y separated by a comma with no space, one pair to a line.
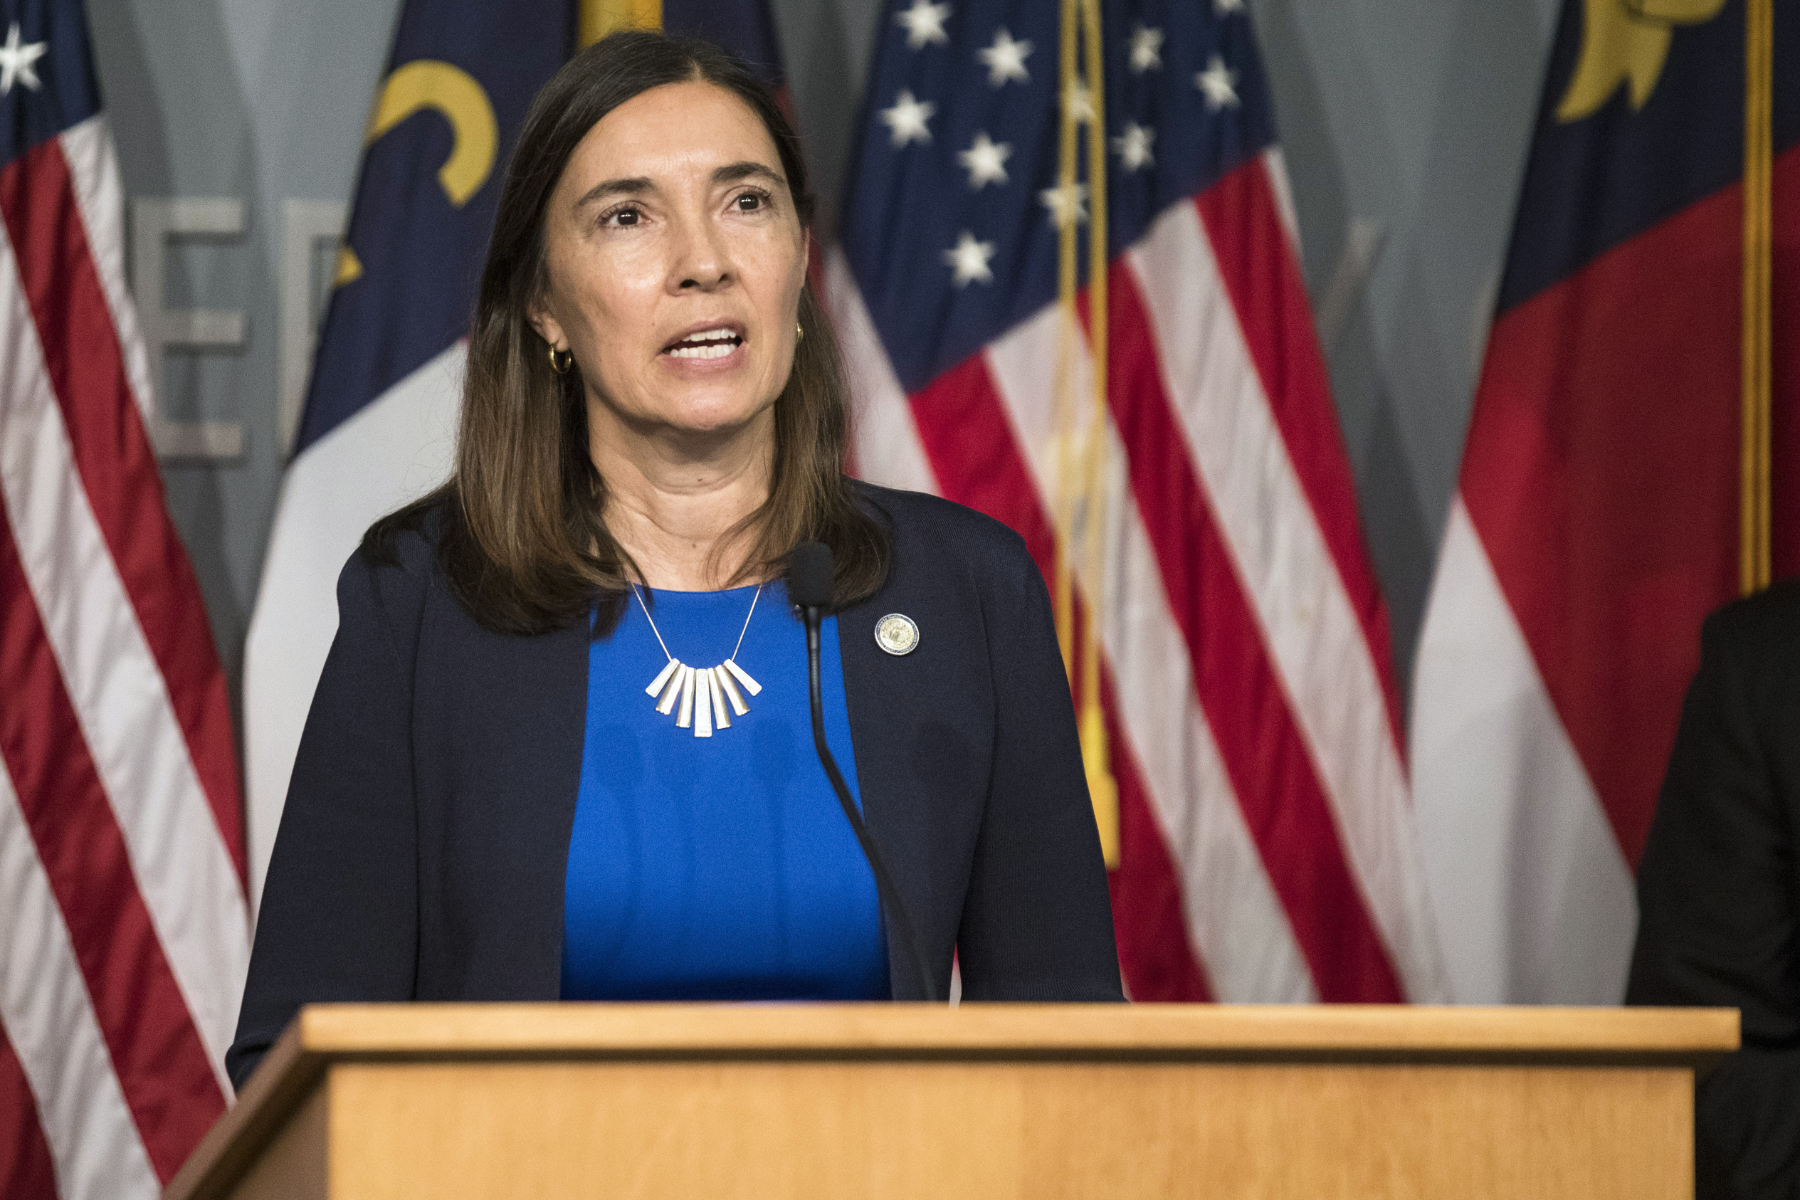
702,693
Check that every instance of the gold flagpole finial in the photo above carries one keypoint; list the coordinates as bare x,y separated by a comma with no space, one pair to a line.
597,18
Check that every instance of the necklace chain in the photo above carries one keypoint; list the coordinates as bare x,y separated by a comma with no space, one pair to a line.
703,693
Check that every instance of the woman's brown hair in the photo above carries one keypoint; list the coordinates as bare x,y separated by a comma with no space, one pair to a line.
520,528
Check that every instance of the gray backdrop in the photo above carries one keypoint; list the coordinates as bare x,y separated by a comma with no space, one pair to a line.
1405,125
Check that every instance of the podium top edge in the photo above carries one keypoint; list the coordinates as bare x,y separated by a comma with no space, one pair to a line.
325,1036
1050,1030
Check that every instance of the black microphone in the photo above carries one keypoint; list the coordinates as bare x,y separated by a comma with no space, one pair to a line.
809,590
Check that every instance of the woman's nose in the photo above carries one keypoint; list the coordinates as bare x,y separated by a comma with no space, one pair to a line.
702,260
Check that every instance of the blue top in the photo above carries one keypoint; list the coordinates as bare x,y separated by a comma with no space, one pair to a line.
717,868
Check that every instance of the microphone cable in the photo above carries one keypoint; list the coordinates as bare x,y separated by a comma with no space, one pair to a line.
809,589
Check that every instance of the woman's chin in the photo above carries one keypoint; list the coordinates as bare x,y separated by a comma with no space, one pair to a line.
709,407
712,418
724,407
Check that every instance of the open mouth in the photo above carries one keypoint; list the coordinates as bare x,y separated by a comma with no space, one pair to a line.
706,343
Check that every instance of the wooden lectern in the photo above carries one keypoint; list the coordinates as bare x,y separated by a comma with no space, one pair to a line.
927,1103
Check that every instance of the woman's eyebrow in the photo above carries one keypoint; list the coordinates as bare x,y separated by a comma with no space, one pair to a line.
615,187
732,172
638,185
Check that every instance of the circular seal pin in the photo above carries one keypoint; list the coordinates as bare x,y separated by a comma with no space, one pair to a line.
897,634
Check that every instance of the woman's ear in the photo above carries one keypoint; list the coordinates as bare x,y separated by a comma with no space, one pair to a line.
546,325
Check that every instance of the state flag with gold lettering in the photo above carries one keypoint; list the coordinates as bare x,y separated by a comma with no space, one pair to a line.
1604,506
379,426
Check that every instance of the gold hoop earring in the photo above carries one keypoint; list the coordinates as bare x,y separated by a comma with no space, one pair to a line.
561,365
799,332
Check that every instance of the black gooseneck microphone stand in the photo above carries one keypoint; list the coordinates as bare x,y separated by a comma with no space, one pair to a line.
809,590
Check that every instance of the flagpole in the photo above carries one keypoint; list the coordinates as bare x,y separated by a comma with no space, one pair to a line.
1103,791
1754,563
1063,400
1080,444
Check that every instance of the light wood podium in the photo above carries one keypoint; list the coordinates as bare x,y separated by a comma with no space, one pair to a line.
986,1102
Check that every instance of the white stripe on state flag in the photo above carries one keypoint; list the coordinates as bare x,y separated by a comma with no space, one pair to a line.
1310,628
94,173
1240,929
51,1024
885,440
397,448
183,871
1533,896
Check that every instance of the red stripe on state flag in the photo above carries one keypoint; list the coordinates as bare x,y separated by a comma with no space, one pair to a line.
1277,784
963,426
157,1053
27,1171
1602,476
118,469
1262,278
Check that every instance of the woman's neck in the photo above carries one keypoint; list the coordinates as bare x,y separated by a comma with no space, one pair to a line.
674,497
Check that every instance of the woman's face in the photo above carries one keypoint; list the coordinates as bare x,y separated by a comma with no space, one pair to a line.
675,261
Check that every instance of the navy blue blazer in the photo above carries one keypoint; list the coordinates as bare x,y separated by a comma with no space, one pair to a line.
422,851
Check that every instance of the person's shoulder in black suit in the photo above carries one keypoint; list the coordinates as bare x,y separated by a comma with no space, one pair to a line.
1719,889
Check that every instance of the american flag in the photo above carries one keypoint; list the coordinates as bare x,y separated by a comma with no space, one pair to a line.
1266,847
124,931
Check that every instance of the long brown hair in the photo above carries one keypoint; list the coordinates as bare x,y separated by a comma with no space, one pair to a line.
521,533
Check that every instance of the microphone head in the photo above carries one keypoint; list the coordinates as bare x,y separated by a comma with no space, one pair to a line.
809,575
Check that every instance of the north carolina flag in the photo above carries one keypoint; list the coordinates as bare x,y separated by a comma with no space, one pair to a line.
1598,514
379,428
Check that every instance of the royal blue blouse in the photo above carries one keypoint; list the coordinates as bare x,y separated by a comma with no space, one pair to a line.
716,868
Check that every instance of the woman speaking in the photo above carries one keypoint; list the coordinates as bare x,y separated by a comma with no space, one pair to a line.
562,745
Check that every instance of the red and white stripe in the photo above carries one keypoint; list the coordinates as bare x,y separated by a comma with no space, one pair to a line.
1538,895
121,849
1268,844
